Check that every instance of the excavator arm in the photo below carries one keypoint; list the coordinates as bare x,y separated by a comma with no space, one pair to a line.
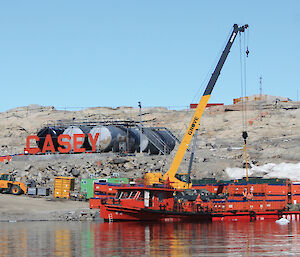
194,124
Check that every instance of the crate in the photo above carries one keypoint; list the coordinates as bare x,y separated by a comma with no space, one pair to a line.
63,186
31,191
43,191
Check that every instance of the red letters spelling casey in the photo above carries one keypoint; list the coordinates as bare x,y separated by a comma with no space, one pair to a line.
62,140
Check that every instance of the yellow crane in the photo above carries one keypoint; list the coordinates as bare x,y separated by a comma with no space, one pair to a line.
169,176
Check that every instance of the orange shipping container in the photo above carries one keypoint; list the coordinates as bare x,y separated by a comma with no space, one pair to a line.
63,186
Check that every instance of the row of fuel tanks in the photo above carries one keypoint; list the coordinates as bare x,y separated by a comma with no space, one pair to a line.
114,138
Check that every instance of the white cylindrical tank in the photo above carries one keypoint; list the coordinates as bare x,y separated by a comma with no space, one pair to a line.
82,141
108,138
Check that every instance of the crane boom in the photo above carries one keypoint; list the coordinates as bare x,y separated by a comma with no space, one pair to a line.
194,124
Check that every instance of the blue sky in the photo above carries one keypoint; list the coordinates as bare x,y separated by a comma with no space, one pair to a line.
116,53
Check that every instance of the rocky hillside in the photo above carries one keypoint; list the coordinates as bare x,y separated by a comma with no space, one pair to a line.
273,137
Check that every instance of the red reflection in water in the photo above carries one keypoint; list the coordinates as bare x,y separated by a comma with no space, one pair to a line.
260,238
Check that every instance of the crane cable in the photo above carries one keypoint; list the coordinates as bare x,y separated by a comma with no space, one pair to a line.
243,55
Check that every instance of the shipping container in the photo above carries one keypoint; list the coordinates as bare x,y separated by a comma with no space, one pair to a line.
219,205
118,180
87,187
256,205
204,181
63,186
295,192
95,203
277,189
236,189
273,205
103,190
276,197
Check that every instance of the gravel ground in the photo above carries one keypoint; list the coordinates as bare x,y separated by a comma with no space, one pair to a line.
25,208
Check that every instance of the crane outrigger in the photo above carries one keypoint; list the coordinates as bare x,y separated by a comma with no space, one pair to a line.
169,176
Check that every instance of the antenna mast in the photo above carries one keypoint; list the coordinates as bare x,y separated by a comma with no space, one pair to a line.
260,97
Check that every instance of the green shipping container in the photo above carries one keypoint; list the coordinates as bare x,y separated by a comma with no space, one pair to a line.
118,180
87,187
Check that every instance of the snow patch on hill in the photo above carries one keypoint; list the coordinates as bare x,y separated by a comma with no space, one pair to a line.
283,170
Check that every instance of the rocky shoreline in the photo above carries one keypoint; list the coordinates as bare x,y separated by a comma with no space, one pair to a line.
24,208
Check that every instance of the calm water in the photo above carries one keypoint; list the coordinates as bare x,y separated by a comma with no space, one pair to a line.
260,238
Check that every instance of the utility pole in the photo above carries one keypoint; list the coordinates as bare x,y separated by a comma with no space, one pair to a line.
260,97
140,106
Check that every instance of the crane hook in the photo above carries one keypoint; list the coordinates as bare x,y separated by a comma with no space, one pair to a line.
247,52
245,135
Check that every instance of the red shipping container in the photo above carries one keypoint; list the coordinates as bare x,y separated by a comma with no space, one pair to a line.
258,188
236,189
95,203
260,197
277,189
295,199
256,206
219,205
199,187
276,197
295,188
275,205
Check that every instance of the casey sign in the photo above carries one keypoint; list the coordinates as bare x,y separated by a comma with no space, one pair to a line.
63,140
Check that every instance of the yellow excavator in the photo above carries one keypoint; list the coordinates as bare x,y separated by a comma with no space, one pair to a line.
170,175
10,186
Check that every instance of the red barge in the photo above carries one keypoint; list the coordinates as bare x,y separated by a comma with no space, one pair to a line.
164,203
172,197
